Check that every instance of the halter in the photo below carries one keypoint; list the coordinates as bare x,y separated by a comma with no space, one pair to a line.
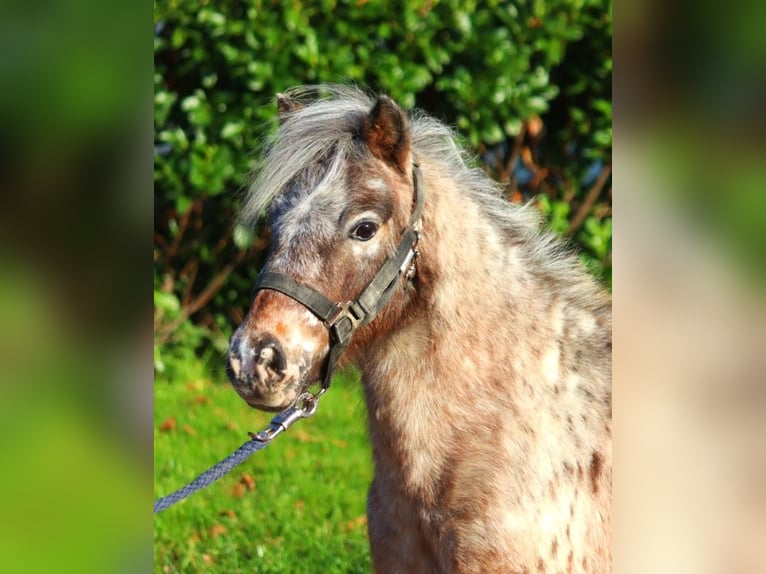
342,319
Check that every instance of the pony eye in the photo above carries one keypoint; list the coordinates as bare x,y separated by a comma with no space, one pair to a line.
364,231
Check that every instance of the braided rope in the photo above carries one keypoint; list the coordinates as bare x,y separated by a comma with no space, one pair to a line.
211,475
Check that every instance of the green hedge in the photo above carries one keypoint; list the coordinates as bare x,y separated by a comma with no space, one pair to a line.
527,84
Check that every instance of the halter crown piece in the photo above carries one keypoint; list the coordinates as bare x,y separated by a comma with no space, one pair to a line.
342,319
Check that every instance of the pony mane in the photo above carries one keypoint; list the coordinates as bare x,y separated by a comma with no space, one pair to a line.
315,142
316,139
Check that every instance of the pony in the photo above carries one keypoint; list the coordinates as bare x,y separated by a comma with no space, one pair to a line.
486,368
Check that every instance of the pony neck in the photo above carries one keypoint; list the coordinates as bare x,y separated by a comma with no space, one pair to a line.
428,365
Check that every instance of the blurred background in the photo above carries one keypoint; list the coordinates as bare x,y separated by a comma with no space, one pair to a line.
75,357
690,328
528,87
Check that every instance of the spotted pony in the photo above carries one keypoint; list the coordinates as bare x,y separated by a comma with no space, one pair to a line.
487,373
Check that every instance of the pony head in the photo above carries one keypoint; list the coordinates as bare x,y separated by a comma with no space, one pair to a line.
336,184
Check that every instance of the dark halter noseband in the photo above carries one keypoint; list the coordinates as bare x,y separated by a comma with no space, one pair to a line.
342,319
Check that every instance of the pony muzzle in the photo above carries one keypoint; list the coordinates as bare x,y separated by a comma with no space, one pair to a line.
271,364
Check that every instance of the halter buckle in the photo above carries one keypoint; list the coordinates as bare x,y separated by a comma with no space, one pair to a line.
409,265
349,310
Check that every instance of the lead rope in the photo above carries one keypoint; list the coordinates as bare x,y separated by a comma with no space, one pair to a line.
304,407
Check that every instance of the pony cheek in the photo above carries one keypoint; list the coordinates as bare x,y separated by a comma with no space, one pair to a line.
315,362
362,260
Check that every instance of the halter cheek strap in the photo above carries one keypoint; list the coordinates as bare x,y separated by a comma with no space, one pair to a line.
342,319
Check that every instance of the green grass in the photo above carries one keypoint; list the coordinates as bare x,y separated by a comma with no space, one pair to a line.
296,506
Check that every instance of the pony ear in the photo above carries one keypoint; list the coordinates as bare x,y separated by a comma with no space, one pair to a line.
386,131
286,106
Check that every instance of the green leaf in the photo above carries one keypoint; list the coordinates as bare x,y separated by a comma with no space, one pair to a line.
243,237
166,301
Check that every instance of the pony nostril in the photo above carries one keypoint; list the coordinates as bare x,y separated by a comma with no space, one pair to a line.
268,355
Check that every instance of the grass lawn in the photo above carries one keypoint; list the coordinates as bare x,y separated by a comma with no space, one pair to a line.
296,506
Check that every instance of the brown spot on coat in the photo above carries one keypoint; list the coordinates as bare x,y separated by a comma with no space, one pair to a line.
596,463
